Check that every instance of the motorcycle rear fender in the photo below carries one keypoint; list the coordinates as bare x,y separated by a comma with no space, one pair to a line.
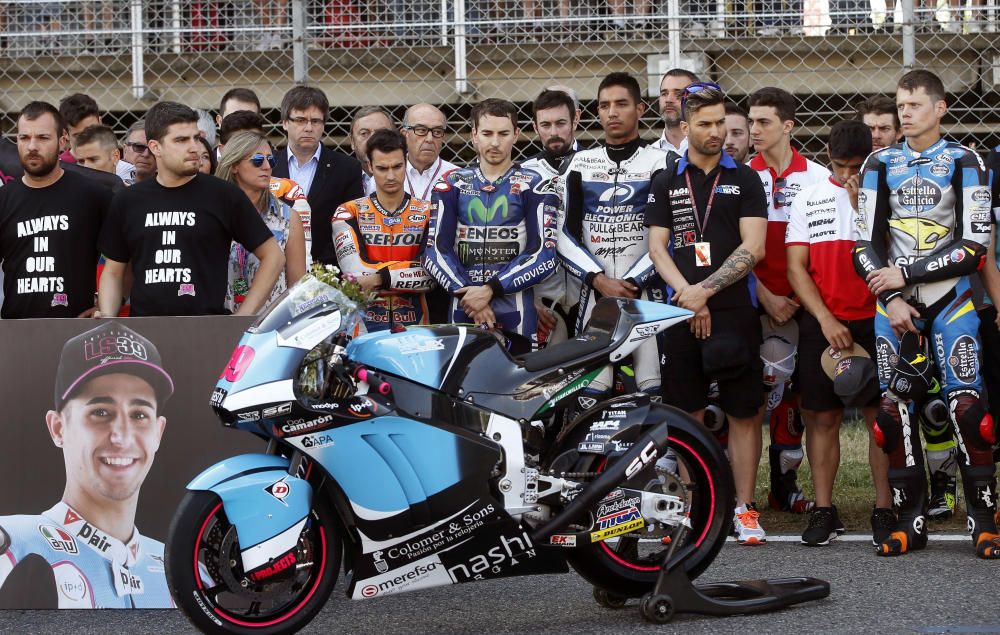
267,505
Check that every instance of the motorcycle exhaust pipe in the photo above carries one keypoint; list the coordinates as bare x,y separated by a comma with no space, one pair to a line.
643,453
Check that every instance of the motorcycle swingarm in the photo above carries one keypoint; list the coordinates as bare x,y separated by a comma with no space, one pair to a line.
642,454
629,510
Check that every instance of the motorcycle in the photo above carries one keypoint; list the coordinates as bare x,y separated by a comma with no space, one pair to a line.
432,456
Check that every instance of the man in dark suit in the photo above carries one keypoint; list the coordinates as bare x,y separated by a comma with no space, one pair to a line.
328,177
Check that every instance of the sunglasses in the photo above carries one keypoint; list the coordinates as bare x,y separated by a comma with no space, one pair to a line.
780,200
138,148
257,160
695,88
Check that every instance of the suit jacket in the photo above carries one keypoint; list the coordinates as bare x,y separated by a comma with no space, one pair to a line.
337,180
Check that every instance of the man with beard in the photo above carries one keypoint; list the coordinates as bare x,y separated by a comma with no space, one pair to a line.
177,231
880,115
555,122
737,133
671,92
107,420
50,220
707,224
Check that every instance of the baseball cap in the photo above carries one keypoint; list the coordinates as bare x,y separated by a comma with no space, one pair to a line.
853,373
105,349
777,350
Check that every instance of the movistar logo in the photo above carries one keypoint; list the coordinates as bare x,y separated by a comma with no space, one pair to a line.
925,233
477,212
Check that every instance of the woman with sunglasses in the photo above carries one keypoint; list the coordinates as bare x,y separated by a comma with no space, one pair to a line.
247,160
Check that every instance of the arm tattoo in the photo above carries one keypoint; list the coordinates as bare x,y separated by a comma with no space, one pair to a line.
736,267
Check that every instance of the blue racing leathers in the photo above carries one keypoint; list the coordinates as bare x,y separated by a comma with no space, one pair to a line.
929,214
499,233
603,209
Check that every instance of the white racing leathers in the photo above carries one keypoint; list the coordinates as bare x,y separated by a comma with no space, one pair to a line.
602,211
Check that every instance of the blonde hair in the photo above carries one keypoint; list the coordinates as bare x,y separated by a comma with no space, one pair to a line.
240,146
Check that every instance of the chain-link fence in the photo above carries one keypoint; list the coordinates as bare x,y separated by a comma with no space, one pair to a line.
830,53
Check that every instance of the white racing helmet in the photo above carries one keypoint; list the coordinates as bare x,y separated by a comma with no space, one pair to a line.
778,349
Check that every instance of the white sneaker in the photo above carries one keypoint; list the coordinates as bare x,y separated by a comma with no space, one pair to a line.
746,527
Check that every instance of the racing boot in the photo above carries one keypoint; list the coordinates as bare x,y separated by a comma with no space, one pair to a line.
784,457
909,497
980,487
942,465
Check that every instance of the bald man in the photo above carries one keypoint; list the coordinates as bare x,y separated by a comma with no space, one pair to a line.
424,127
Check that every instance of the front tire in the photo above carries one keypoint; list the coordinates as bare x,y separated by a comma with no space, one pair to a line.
204,571
625,566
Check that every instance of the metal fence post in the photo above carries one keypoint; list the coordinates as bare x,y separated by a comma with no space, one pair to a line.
909,45
674,35
138,62
461,70
300,68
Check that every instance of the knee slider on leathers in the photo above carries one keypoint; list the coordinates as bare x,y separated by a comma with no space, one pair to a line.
973,421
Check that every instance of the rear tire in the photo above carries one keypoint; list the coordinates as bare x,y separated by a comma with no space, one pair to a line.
621,569
206,580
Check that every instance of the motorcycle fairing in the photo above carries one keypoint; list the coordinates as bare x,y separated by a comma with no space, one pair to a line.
392,465
267,505
608,419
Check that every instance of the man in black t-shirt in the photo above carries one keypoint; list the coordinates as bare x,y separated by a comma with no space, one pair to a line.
50,220
712,213
177,229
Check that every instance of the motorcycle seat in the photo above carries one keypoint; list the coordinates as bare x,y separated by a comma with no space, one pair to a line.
597,336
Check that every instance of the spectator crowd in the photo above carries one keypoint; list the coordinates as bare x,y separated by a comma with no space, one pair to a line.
866,282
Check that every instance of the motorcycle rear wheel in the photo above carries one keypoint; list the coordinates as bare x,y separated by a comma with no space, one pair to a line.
628,567
204,571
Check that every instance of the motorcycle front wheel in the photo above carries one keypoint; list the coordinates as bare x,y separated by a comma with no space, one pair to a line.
204,571
629,565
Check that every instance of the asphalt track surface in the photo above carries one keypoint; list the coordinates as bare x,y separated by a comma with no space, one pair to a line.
944,589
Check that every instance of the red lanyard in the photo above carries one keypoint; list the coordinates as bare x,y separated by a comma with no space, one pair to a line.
702,222
429,184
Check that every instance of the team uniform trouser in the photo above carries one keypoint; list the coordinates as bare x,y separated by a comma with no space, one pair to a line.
645,359
515,313
952,325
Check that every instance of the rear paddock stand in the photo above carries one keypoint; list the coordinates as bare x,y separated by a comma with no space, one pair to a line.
674,592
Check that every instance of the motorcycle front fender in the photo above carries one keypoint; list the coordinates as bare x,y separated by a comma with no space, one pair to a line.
267,505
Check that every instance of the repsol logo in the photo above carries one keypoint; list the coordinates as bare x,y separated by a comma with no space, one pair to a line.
394,240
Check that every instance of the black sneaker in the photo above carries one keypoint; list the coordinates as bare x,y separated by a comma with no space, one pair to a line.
883,522
824,526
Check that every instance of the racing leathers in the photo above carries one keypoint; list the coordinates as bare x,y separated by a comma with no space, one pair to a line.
929,214
90,569
499,233
604,192
371,239
293,194
560,292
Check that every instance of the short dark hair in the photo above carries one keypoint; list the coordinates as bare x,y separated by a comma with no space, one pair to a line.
879,105
245,95
36,109
213,159
302,97
783,102
680,72
848,139
238,122
553,99
703,98
733,109
494,108
922,78
78,107
164,114
101,134
624,80
385,140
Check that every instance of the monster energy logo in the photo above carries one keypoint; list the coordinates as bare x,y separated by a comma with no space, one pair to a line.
477,212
